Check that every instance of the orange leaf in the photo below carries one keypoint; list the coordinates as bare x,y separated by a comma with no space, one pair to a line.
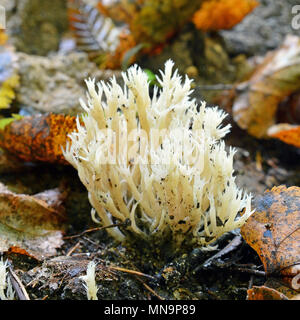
265,293
287,133
17,251
273,231
225,14
38,138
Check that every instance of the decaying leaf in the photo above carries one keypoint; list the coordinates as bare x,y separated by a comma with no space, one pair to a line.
32,223
225,14
38,138
265,293
273,231
34,215
14,250
274,289
275,78
286,132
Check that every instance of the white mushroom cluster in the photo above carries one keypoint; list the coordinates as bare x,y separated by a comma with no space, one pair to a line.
157,160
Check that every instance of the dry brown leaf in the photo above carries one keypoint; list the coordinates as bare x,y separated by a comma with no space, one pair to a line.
265,293
273,289
276,78
32,223
38,138
273,231
30,214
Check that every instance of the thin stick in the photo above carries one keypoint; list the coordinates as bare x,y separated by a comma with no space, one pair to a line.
251,271
234,243
144,284
136,273
150,289
94,229
17,285
73,249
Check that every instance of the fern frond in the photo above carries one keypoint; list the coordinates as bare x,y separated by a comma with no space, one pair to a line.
93,31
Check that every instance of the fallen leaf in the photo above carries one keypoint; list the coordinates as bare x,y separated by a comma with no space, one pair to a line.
286,132
38,138
273,231
32,223
18,251
31,214
274,79
21,258
280,286
224,14
265,293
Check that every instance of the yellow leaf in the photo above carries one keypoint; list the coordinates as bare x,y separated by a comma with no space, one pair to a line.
7,91
3,37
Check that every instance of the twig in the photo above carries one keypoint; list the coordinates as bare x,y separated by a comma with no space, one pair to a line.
251,271
91,241
17,285
234,243
73,249
137,273
144,284
95,229
150,289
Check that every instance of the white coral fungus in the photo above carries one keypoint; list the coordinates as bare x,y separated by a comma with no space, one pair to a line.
90,281
158,161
